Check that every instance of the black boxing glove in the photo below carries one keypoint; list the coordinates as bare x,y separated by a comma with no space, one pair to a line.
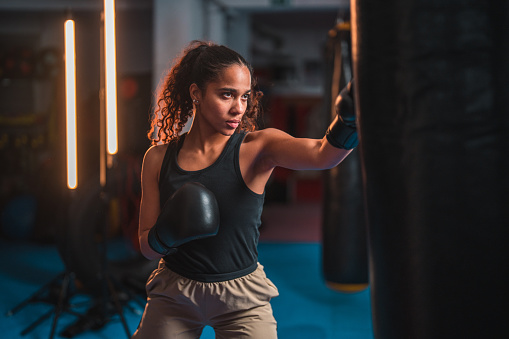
190,213
342,132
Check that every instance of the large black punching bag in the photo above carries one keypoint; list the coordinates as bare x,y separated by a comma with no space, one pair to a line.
344,240
432,81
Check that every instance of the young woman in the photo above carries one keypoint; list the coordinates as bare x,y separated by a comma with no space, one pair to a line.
206,234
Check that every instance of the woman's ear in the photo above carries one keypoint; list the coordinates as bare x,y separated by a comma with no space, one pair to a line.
195,92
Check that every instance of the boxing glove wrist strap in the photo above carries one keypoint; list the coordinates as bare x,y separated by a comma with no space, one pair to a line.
157,245
342,136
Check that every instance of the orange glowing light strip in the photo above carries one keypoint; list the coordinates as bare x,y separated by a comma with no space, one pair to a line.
110,76
70,91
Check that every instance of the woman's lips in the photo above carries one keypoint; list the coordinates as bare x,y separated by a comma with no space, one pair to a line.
233,123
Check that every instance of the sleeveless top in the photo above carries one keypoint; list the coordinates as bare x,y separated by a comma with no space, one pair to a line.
232,253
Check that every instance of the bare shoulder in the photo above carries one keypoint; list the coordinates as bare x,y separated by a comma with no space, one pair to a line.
156,151
266,140
266,136
263,145
154,156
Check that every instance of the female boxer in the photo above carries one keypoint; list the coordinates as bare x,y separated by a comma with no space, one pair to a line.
203,192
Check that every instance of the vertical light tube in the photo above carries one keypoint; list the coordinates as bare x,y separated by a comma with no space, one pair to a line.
111,76
70,95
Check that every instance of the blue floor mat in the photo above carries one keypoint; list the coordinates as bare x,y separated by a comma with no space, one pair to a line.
305,308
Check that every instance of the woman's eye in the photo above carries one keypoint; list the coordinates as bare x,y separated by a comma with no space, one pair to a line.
227,94
245,97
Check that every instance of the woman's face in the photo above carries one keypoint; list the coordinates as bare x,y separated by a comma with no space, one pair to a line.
224,101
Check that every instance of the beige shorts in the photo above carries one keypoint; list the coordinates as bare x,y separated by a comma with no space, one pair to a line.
178,307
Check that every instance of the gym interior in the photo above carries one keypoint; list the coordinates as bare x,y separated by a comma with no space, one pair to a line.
406,238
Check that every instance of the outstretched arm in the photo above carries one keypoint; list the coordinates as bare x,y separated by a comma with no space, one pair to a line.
281,149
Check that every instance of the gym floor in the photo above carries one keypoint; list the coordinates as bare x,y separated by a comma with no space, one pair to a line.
289,249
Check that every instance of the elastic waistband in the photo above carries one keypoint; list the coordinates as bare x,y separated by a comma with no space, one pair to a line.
216,277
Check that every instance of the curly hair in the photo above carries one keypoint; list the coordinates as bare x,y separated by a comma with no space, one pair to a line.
200,63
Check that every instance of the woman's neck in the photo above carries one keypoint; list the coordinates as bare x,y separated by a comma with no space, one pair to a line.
203,141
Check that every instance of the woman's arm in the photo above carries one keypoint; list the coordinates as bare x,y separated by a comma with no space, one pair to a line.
280,149
150,206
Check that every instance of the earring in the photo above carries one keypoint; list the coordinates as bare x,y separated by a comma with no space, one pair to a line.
196,101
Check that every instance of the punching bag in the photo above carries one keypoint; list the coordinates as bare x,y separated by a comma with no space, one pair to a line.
431,82
344,240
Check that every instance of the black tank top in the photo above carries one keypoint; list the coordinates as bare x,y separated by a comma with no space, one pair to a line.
232,253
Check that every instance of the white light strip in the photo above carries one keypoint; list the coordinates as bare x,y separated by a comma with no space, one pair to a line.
110,76
70,95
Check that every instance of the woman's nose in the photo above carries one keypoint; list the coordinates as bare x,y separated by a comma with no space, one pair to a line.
238,107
